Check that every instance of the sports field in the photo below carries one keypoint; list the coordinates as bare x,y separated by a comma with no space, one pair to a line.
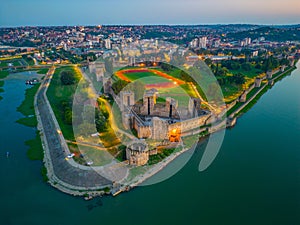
167,85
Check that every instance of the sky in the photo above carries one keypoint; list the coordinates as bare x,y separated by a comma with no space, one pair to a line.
94,12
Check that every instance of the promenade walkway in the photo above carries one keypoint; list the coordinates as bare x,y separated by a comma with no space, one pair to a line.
65,175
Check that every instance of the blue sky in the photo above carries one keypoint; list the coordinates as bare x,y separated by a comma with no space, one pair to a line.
85,12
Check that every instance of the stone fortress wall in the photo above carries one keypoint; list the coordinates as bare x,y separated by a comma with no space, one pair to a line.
159,119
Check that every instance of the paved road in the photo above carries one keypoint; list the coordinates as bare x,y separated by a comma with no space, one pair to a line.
67,172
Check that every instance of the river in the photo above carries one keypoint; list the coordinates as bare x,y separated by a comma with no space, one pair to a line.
255,178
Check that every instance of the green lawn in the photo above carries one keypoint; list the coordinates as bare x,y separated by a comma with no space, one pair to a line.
43,71
57,93
14,62
177,93
250,74
146,77
89,153
229,91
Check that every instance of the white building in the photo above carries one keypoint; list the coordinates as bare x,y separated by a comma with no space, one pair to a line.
107,43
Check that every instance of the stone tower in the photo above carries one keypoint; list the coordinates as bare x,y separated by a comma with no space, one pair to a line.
106,84
149,100
243,97
258,82
160,129
269,74
137,153
194,106
171,107
127,99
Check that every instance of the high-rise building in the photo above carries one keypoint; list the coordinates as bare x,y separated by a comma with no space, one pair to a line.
203,42
194,43
107,43
247,41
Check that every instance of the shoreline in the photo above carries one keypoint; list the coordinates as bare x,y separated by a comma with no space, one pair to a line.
155,169
161,165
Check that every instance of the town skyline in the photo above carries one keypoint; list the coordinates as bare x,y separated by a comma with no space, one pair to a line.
36,13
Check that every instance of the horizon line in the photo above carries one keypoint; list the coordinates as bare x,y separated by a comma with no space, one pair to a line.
149,24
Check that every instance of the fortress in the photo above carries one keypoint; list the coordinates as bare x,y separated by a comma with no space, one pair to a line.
160,120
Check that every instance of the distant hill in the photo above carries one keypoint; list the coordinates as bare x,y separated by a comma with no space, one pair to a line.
276,33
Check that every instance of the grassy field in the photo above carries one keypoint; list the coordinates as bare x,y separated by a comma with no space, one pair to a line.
83,154
177,93
109,138
138,75
253,72
14,62
57,93
231,92
43,71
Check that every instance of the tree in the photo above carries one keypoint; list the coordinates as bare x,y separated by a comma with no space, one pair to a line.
166,67
119,85
208,61
238,78
67,78
246,66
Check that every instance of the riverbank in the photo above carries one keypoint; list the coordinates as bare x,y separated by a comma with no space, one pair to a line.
3,74
267,84
27,107
133,183
237,113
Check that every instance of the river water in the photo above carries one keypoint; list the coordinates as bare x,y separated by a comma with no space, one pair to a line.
255,178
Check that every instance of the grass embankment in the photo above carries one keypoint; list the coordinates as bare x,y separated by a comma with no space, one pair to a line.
42,71
3,74
35,151
27,108
164,153
58,93
277,78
